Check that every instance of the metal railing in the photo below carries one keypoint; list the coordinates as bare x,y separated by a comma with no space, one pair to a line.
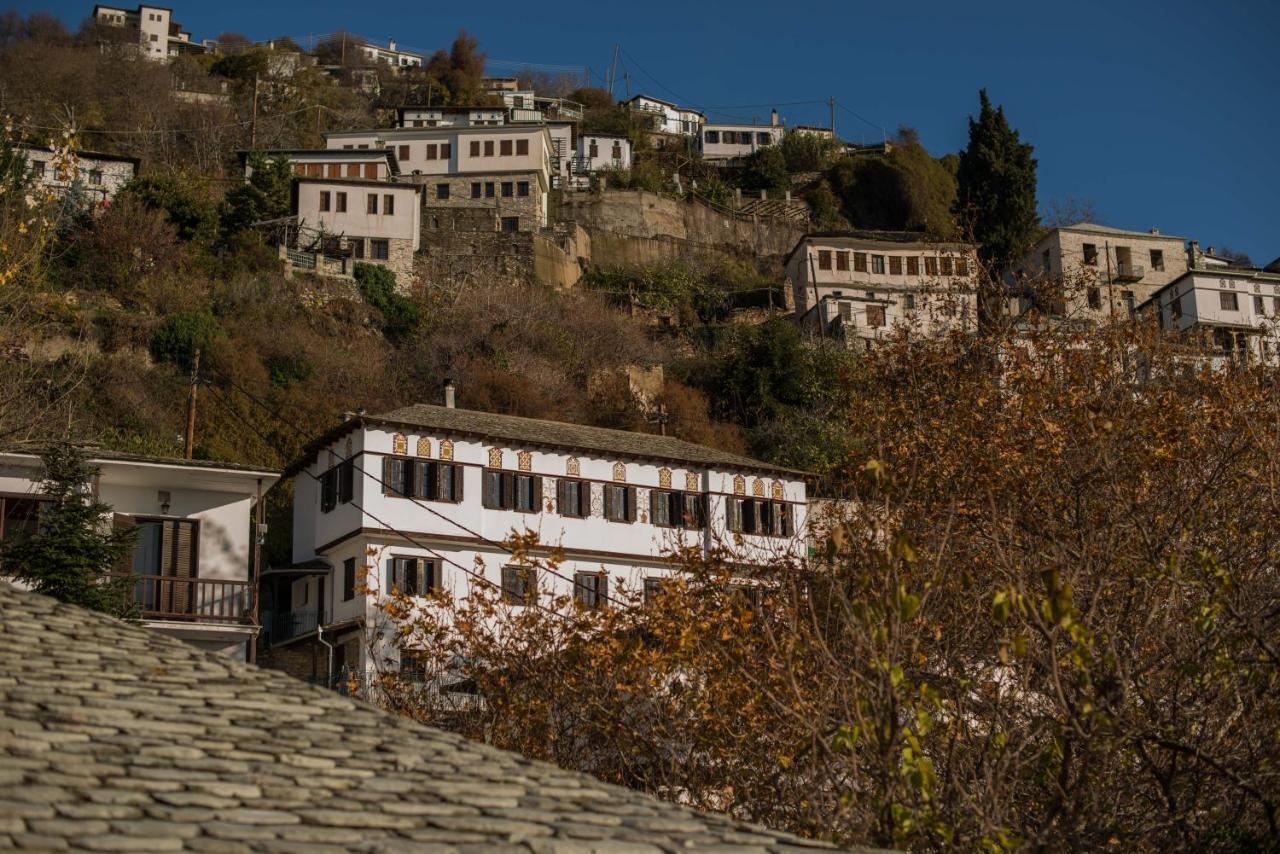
210,600
292,624
1127,271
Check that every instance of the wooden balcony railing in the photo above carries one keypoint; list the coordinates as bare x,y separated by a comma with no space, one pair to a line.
205,600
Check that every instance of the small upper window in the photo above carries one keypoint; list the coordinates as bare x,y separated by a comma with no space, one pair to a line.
1228,301
1091,255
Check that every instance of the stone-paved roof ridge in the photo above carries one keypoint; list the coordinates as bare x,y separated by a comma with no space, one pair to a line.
113,737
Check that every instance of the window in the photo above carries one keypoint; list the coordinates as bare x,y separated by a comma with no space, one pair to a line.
962,266
508,189
573,498
845,310
590,589
397,476
413,576
442,192
324,200
166,548
519,585
329,490
446,150
348,579
389,204
1260,306
875,316
353,170
357,246
1129,300
510,223
522,147
475,190
763,138
1091,255
895,265
860,262
1227,301
593,150
913,266
371,171
617,150
371,203
712,137
1157,259
758,516
1095,298
475,148
505,490
931,266
824,259
678,509
432,151
404,152
1044,261
488,189
877,264
1175,308
19,517
379,250
95,176
619,503
946,265
842,260
422,479
341,202
522,188
909,302
504,148
488,148
652,589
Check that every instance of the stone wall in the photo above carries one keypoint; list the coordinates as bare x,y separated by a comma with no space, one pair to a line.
530,209
463,246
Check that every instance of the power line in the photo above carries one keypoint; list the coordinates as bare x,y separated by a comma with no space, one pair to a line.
863,118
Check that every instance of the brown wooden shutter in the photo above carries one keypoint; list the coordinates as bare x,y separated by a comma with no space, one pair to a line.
386,475
371,171
445,150
508,491
458,477
335,170
404,152
631,503
537,494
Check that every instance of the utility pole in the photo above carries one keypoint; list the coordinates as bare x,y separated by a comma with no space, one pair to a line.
626,78
831,103
253,122
259,518
613,70
191,406
344,48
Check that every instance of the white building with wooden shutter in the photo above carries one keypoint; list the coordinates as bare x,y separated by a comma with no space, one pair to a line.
195,537
422,498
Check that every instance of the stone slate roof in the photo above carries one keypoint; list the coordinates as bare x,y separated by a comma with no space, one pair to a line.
536,431
94,454
113,737
1094,228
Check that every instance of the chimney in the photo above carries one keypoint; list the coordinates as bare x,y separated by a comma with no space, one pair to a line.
391,44
773,119
448,394
1209,252
1193,254
1155,231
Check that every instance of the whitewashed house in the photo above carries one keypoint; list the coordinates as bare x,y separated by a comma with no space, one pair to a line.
667,118
371,164
597,152
421,498
726,144
195,537
390,55
430,117
98,176
378,221
1231,314
861,287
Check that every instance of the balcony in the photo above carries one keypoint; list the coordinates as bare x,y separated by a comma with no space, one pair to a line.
291,624
197,600
1127,271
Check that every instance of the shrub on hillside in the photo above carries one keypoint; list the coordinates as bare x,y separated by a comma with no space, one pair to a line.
176,339
400,315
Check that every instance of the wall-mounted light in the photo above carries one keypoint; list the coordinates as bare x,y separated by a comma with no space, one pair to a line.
164,497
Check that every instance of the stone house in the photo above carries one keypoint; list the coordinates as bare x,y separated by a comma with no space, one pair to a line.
152,28
380,222
1229,313
858,287
193,553
420,499
1094,272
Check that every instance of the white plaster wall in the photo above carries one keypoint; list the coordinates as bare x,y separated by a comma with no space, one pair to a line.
404,224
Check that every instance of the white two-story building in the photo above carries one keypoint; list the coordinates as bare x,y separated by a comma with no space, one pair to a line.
431,117
422,498
96,175
194,543
377,221
727,144
157,35
597,152
1231,314
860,287
667,118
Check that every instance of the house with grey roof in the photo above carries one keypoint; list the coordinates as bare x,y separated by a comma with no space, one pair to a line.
195,537
115,738
422,499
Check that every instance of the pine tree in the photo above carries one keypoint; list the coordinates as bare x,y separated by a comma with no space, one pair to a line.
997,187
72,553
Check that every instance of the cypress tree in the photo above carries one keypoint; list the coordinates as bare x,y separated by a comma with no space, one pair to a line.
997,188
72,553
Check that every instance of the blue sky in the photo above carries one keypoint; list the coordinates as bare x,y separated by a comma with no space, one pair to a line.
1163,114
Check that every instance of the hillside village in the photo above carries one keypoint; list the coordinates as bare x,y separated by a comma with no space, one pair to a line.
381,364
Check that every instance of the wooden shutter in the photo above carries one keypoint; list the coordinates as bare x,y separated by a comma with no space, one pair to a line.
522,147
390,579
371,171
490,480
631,503
562,488
445,150
458,477
335,170
386,476
404,152
508,490
537,495
733,514
184,565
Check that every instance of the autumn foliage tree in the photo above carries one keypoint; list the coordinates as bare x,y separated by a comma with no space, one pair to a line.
1041,614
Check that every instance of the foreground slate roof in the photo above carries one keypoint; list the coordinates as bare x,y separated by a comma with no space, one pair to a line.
537,431
113,737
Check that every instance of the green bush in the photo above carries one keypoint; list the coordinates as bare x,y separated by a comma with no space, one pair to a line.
285,369
176,339
195,217
400,315
765,169
807,152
